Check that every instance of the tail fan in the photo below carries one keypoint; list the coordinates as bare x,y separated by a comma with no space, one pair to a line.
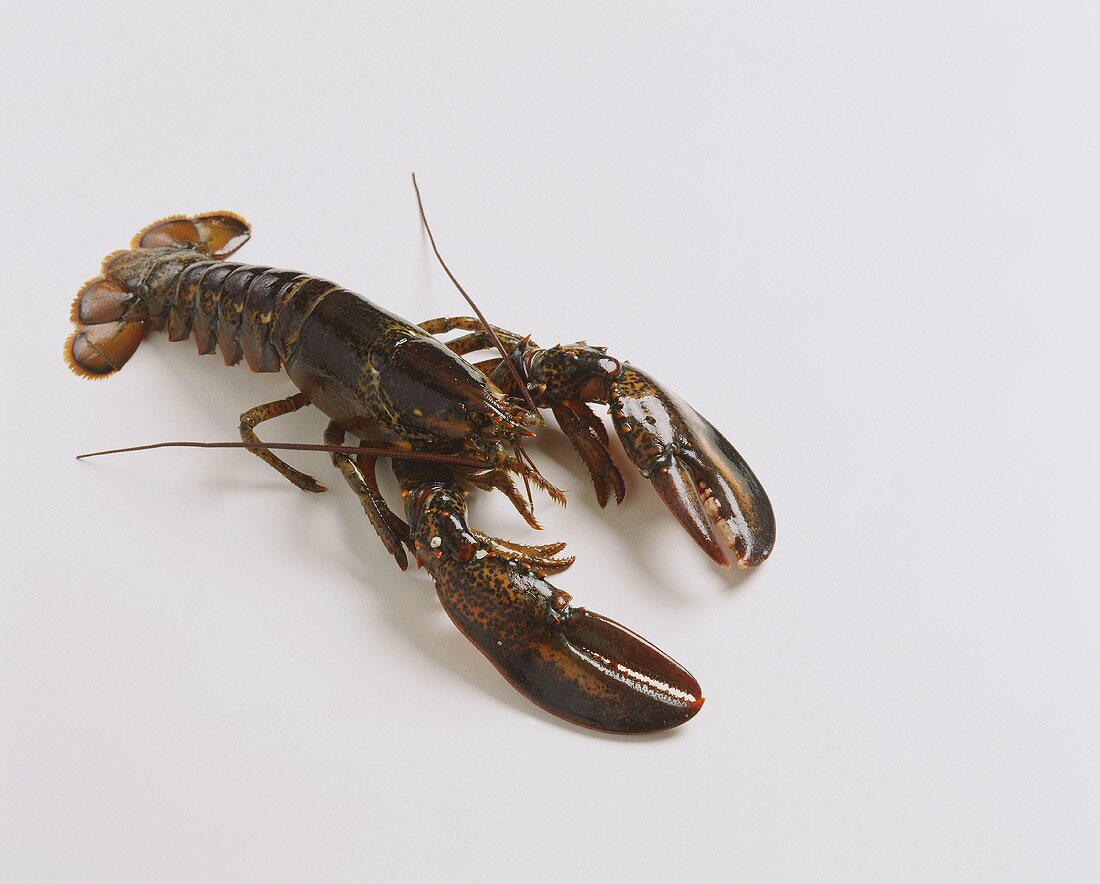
110,318
110,323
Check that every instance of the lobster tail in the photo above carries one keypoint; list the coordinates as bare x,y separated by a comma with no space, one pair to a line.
110,323
112,312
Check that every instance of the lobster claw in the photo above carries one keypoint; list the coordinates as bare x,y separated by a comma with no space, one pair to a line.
699,475
574,663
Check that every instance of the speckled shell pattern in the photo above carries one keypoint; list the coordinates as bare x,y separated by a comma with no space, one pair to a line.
573,662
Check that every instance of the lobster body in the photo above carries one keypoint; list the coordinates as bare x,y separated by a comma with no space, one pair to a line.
396,387
226,306
385,381
378,377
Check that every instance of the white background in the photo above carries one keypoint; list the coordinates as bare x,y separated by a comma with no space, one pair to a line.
860,237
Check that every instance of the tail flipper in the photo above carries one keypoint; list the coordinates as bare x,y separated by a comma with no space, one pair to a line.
110,323
218,234
111,318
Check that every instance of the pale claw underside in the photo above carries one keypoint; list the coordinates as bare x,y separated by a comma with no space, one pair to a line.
699,475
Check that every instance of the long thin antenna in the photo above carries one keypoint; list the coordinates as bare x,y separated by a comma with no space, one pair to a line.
395,453
481,316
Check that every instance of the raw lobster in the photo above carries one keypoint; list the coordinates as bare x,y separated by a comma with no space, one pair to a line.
447,424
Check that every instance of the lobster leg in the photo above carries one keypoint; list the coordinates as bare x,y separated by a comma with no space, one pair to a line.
254,416
477,339
542,558
360,475
592,447
500,480
444,324
573,663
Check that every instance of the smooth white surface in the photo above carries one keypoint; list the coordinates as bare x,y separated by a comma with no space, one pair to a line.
860,237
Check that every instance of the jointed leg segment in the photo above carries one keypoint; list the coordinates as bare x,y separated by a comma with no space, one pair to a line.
261,413
478,339
360,476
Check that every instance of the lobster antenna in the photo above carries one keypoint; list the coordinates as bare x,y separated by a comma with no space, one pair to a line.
394,453
481,316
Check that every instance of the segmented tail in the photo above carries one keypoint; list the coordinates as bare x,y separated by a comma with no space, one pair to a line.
109,312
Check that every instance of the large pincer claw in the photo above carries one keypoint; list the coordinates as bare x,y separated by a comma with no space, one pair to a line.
699,475
573,663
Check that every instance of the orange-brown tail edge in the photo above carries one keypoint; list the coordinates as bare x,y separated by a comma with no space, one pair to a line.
110,320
